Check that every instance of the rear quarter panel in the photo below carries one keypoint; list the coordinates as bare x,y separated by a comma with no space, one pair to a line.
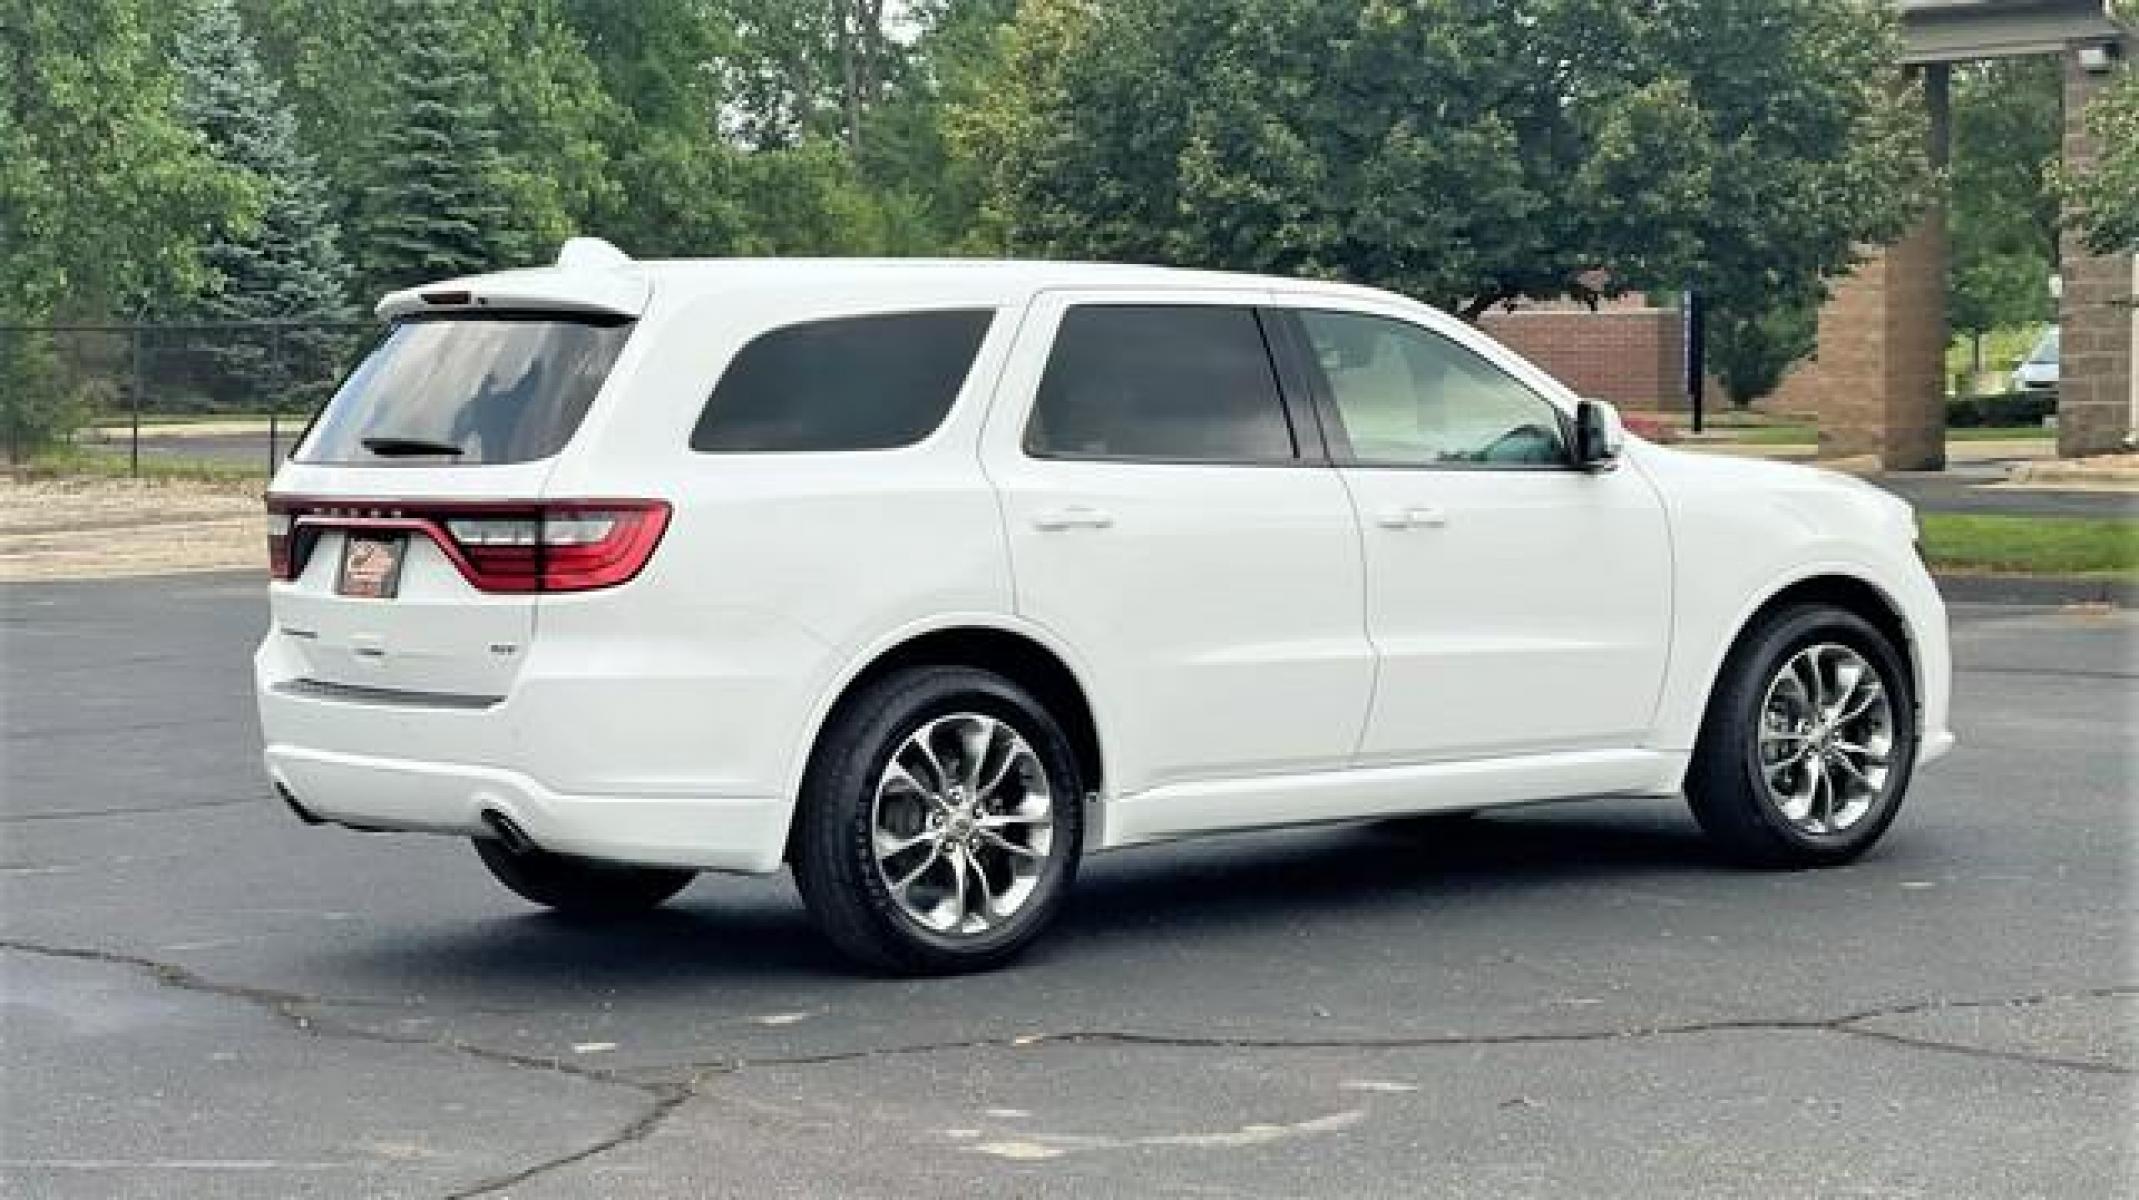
778,570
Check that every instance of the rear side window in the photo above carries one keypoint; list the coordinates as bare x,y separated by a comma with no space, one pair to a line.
1160,382
852,383
463,391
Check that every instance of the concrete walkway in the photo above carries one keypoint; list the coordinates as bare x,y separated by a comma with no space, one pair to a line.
1959,491
1977,480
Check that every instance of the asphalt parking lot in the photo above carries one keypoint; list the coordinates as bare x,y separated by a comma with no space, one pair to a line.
204,997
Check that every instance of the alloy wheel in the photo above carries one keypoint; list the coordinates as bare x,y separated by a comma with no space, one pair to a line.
962,824
1826,739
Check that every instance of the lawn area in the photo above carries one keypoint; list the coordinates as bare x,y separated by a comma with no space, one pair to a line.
2032,545
74,463
1805,435
181,420
2000,433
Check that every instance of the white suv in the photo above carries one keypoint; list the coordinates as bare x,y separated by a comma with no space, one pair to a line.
927,578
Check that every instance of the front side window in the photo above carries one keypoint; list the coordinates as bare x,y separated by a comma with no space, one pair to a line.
1407,397
850,383
468,391
1185,383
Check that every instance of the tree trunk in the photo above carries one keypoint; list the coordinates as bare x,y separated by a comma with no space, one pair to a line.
850,76
1476,306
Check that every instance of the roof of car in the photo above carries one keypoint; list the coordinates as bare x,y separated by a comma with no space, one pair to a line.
594,276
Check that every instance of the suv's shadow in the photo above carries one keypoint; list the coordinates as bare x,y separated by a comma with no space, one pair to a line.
755,930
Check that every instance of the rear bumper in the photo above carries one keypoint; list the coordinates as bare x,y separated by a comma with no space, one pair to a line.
707,833
602,748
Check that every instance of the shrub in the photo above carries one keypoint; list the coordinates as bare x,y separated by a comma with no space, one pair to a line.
40,404
2006,408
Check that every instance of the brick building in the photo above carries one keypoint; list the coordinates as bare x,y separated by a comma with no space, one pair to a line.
1628,352
1876,383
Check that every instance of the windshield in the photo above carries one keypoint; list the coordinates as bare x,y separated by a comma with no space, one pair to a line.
2045,351
465,391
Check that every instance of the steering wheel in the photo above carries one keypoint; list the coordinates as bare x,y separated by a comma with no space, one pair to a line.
1529,443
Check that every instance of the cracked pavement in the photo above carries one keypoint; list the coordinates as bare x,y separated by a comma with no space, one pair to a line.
199,996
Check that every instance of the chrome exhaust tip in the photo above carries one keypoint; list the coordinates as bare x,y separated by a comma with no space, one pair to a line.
515,838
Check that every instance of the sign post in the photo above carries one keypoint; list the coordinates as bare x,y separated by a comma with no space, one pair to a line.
1695,335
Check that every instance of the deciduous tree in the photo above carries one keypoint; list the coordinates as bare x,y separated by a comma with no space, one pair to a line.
2002,214
1469,152
102,190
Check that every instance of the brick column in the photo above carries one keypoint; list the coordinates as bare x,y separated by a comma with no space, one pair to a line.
2094,389
1879,386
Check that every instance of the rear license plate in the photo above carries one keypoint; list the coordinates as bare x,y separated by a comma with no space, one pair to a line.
371,566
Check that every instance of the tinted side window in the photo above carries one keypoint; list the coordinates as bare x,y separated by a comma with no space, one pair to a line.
1171,382
852,383
1408,397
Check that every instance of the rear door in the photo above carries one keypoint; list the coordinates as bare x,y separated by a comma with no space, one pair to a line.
405,513
1170,517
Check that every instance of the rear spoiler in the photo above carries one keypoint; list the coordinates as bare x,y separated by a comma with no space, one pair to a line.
591,276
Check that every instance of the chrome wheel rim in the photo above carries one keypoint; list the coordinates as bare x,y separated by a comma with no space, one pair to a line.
1826,739
962,824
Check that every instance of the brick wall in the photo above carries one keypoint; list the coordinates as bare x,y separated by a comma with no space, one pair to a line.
2094,387
1631,356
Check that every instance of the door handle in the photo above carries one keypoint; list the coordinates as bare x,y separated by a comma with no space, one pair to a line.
1074,516
1413,516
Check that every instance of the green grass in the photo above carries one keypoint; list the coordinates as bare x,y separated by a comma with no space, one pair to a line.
2032,545
2000,433
179,420
1777,435
76,464
1805,435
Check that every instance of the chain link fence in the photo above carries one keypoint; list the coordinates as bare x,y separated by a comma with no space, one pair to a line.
224,395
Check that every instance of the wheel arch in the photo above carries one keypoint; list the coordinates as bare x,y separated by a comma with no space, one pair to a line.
1847,590
1023,655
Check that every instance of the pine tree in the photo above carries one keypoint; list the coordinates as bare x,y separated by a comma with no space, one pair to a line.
286,264
437,204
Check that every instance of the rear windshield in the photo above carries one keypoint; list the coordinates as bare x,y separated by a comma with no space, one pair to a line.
463,391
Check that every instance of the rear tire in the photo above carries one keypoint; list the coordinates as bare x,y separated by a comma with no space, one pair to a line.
580,886
940,822
1809,741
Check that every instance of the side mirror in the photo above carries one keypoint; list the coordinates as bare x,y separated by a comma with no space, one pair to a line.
1598,436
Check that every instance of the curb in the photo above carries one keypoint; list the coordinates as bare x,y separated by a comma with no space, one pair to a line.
2037,590
2077,473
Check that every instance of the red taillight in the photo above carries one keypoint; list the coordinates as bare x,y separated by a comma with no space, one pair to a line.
550,546
279,520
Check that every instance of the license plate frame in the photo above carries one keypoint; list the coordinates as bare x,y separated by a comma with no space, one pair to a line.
371,566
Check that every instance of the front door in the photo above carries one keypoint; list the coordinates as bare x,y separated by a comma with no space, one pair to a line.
1518,605
1170,516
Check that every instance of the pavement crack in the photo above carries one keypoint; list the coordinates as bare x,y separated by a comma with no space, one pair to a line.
2016,1056
2073,673
666,1099
300,1011
138,811
1849,1024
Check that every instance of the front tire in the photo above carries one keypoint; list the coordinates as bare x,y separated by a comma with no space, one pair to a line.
1809,741
580,886
940,822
